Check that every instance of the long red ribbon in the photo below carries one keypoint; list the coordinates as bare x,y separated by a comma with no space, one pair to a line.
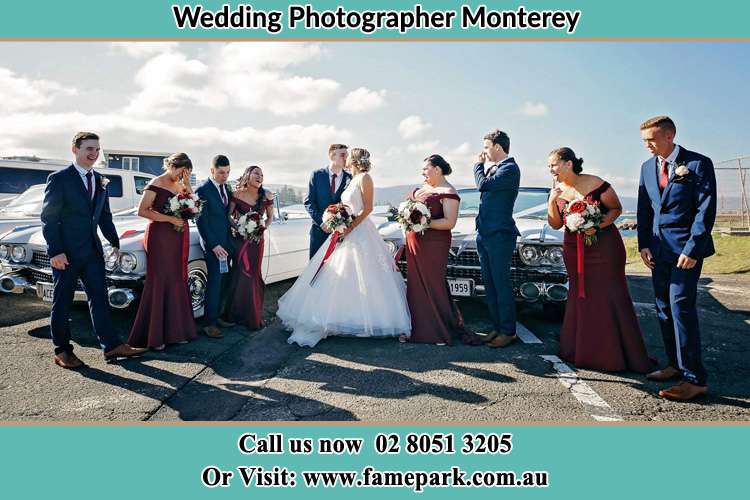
185,251
580,247
329,251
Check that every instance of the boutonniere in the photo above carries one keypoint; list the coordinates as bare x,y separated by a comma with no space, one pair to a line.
104,181
680,173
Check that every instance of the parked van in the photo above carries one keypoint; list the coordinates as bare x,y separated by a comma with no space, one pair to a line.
125,188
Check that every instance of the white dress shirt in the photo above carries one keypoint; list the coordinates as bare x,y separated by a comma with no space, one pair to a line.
339,178
671,159
82,172
218,188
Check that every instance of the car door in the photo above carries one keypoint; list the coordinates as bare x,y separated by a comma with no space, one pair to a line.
287,244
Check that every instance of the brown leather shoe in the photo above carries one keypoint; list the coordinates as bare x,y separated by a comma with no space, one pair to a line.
502,340
124,351
68,360
225,324
490,337
684,391
212,332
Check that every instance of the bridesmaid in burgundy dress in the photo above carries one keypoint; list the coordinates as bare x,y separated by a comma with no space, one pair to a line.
435,317
600,330
165,314
245,303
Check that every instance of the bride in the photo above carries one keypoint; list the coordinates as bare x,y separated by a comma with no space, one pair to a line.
358,292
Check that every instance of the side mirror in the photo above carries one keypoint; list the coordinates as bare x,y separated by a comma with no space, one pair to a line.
284,216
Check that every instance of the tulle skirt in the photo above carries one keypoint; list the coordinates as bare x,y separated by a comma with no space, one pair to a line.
359,292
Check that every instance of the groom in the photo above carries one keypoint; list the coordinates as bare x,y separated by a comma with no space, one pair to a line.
676,211
325,188
76,204
216,240
498,178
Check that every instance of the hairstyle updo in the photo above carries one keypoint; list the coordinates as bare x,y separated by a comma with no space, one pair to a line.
567,154
439,162
361,158
178,160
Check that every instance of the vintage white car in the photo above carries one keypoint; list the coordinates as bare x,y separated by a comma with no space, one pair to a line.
24,263
537,269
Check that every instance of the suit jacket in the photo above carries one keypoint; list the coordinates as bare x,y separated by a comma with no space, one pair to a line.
678,220
498,193
213,223
70,220
319,193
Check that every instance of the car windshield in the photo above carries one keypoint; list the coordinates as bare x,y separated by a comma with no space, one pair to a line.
26,204
530,204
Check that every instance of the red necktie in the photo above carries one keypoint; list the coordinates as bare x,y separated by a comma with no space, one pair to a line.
223,195
89,185
333,185
663,175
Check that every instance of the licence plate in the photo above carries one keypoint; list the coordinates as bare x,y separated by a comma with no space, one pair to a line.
461,288
45,291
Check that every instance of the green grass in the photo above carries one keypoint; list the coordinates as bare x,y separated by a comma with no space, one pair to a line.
732,255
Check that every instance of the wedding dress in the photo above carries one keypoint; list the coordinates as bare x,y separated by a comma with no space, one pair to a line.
358,292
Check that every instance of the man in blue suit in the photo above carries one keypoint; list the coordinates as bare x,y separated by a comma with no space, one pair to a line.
216,240
676,211
497,177
325,188
76,203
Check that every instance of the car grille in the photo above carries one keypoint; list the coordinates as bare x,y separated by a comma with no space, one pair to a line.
466,265
41,260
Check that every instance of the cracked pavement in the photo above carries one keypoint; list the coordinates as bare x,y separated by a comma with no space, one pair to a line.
257,376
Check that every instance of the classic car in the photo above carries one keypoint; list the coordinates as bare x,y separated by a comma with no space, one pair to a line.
537,268
24,263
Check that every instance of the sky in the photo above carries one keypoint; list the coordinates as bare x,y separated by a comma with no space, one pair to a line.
279,105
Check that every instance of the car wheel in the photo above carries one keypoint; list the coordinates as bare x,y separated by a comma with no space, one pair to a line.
554,310
197,280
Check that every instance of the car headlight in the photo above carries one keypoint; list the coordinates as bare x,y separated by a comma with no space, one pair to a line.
4,252
128,262
18,253
392,247
110,259
555,256
529,255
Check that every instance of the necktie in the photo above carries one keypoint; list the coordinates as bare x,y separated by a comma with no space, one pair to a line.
90,185
663,175
333,185
223,195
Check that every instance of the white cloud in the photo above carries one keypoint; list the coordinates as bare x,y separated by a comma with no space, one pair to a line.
18,93
143,49
412,126
424,148
48,135
362,100
534,109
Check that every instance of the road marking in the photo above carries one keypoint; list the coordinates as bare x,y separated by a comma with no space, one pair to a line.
525,335
595,405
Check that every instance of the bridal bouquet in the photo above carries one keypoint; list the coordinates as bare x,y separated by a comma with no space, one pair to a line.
337,218
186,206
250,226
413,216
580,215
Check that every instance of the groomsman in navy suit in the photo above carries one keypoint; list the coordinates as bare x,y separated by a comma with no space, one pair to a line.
497,177
325,188
76,204
216,240
676,211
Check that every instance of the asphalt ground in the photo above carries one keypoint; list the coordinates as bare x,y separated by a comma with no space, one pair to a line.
257,376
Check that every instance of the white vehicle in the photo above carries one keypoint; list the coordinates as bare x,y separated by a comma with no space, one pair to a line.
23,255
125,189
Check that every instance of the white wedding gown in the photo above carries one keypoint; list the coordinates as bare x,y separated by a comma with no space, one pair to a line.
359,292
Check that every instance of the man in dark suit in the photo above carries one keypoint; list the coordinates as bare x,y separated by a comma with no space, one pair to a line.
216,240
676,212
498,178
325,188
76,203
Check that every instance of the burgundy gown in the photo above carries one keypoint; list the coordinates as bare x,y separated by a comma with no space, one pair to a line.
165,314
435,318
245,303
601,331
